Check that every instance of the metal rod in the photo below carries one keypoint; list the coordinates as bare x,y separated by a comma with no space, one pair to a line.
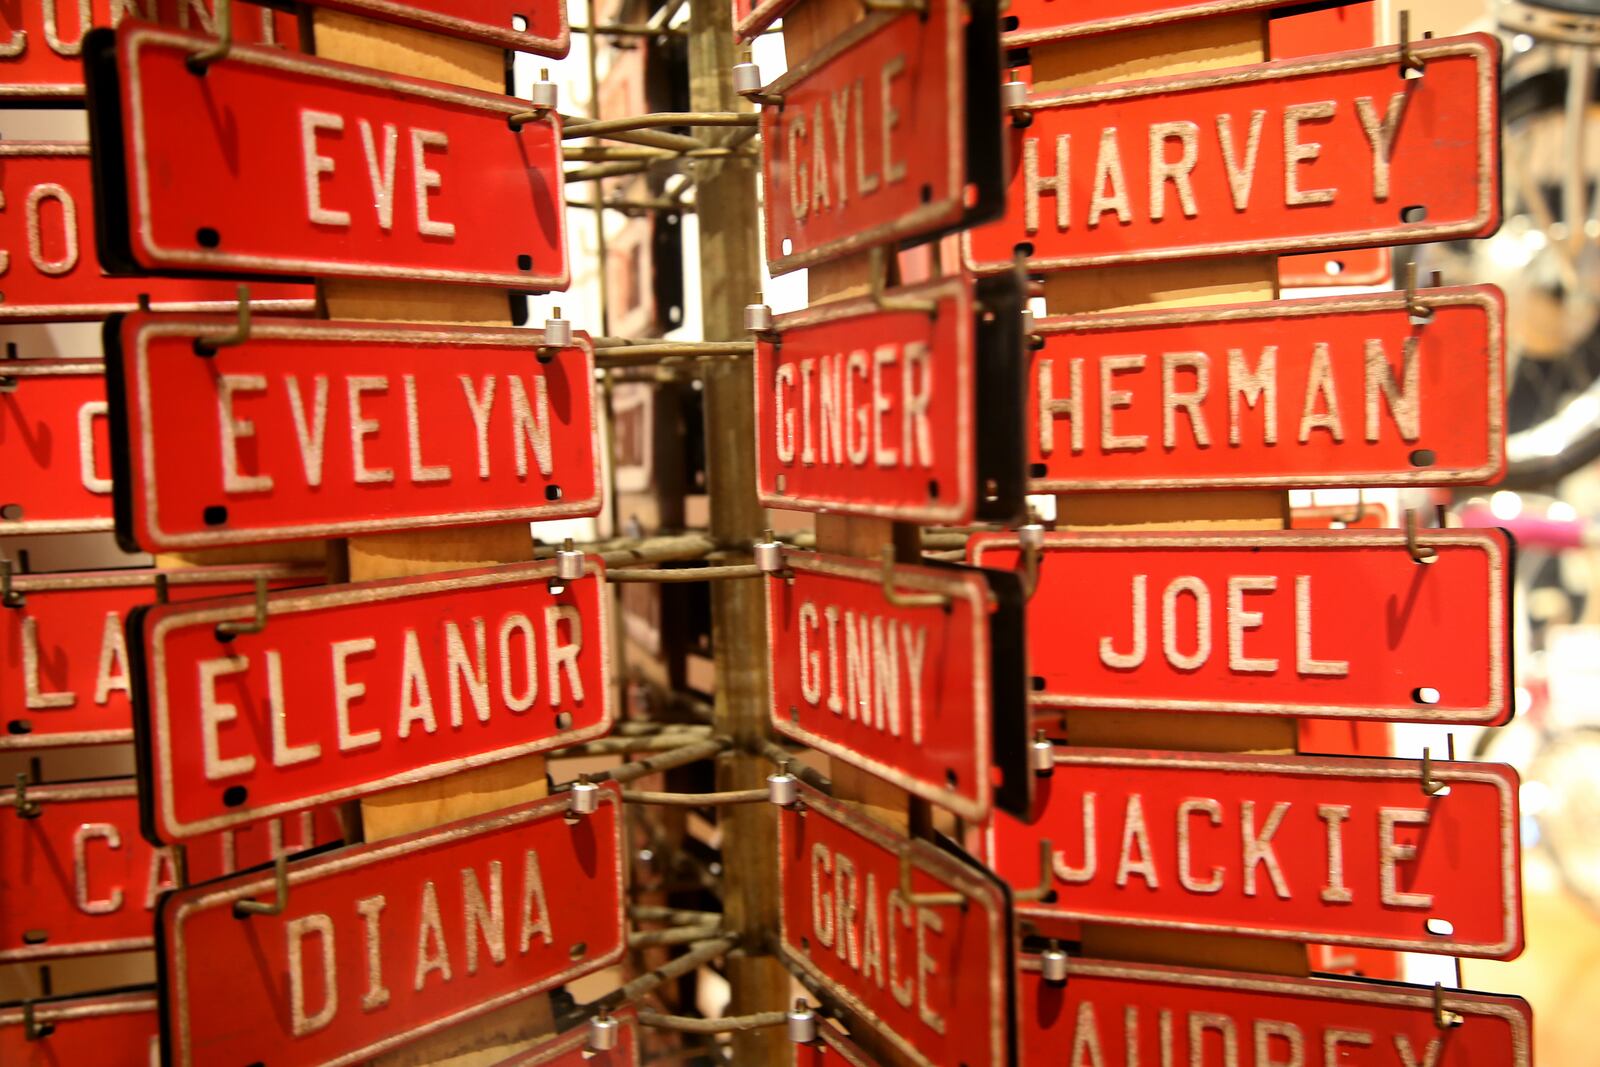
634,208
653,138
634,355
657,913
631,30
604,273
676,935
681,575
809,775
663,118
695,800
623,746
666,761
604,170
699,954
728,1024
649,729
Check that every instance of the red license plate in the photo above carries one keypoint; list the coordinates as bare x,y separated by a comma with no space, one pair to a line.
350,690
383,943
572,1049
1135,1013
111,1030
1256,160
1347,391
54,448
79,879
48,240
346,171
932,979
538,26
872,146
1342,624
333,429
65,676
1036,21
1340,851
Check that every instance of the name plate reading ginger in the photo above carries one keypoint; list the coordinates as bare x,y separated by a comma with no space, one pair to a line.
1347,391
1338,151
384,943
108,1029
327,429
1341,624
537,26
1037,21
1342,851
351,690
346,171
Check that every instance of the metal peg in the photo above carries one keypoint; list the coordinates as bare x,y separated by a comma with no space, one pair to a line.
1443,1017
758,318
570,566
585,797
1432,786
207,346
603,1031
1042,755
905,600
1053,963
26,809
1030,539
557,335
231,628
1411,64
1014,101
748,84
769,554
783,788
542,99
243,909
9,597
1419,553
1041,889
1420,313
32,1028
202,59
923,900
802,1022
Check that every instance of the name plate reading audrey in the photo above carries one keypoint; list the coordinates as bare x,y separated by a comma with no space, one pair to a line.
1347,391
1334,850
319,429
384,943
48,271
1338,151
110,1030
1342,624
1037,21
351,690
54,447
345,171
538,26
572,1049
872,145
933,972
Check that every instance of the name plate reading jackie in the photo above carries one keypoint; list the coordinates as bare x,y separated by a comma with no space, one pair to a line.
351,690
1337,151
1343,851
110,1030
1347,391
538,26
318,429
345,171
54,447
1037,21
387,942
1340,624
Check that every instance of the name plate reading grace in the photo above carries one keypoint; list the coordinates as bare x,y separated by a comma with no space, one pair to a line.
346,171
1125,1014
1036,21
572,1048
381,944
537,26
354,689
316,429
1346,391
1341,624
872,144
932,978
48,271
79,879
65,677
1338,851
1337,151
54,448
109,1030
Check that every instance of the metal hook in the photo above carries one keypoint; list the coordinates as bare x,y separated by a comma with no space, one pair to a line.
1421,314
748,84
228,629
906,600
1419,553
9,597
207,346
1361,508
923,900
879,268
26,809
162,595
1443,1018
1409,60
203,59
1046,883
32,1029
1030,542
1432,786
243,909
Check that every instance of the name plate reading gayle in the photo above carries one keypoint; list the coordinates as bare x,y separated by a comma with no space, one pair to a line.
1338,624
572,1048
1339,851
932,973
79,879
1125,1014
384,943
350,690
65,675
317,429
109,1029
871,145
1347,391
346,171
1338,151
48,235
538,26
54,447
1037,21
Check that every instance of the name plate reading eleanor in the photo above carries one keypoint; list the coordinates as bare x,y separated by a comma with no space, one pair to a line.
54,447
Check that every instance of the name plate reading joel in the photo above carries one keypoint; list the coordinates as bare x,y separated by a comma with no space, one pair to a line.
384,943
1347,391
538,26
54,447
1037,21
111,1030
346,171
328,429
1342,851
350,690
933,976
1338,151
1338,624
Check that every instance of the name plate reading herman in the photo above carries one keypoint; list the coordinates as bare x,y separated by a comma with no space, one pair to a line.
1338,151
305,167
318,429
1340,851
350,690
1338,624
383,943
54,447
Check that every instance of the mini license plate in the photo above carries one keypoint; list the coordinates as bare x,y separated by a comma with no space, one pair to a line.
350,690
65,677
572,1049
537,26
1135,1013
1334,392
1337,624
934,978
1296,156
383,943
1037,21
48,239
863,411
54,448
346,171
1334,850
327,429
79,879
110,1030
872,144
